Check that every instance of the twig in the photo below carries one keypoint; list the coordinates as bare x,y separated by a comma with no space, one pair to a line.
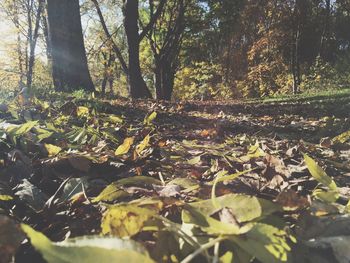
200,250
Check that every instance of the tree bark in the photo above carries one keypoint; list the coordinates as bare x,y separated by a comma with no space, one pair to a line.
69,63
164,76
137,85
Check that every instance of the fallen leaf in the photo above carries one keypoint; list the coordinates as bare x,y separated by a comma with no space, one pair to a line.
125,147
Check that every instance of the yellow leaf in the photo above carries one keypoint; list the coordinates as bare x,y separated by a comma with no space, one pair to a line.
125,220
52,150
347,207
332,194
143,144
148,120
318,173
87,249
125,147
82,111
111,193
342,138
255,151
327,196
6,198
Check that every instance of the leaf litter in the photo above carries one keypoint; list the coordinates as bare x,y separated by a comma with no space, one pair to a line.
174,182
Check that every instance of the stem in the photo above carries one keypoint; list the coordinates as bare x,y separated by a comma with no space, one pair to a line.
200,250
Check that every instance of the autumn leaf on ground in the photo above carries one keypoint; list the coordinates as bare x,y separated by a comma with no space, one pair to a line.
125,147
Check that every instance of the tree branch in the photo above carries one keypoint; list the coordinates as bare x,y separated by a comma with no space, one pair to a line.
153,20
109,36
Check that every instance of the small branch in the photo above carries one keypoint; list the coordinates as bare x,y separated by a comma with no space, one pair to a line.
109,36
153,20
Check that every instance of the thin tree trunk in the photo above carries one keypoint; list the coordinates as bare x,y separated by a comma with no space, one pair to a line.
325,32
166,58
19,47
33,42
137,85
107,63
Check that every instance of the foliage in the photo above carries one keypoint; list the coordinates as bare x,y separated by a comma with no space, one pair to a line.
201,81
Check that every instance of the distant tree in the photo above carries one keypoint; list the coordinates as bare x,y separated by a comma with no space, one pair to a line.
165,39
26,16
137,85
69,63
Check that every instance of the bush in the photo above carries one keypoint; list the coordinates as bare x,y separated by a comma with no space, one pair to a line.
201,81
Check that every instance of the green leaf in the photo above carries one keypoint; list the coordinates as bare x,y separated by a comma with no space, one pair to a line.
213,189
318,173
267,243
87,249
210,225
255,151
194,160
138,181
150,118
114,191
125,147
125,220
329,196
16,131
111,193
114,119
245,208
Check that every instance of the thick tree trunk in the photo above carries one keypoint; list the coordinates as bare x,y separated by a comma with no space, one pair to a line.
137,85
47,39
69,62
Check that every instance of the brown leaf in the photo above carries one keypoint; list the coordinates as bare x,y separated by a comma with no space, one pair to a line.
290,200
10,238
80,163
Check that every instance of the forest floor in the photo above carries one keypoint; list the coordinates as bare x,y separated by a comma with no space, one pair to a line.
189,182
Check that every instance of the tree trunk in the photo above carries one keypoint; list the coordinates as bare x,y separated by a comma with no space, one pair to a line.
107,63
69,63
19,47
47,39
167,57
137,85
32,43
164,79
325,33
295,54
